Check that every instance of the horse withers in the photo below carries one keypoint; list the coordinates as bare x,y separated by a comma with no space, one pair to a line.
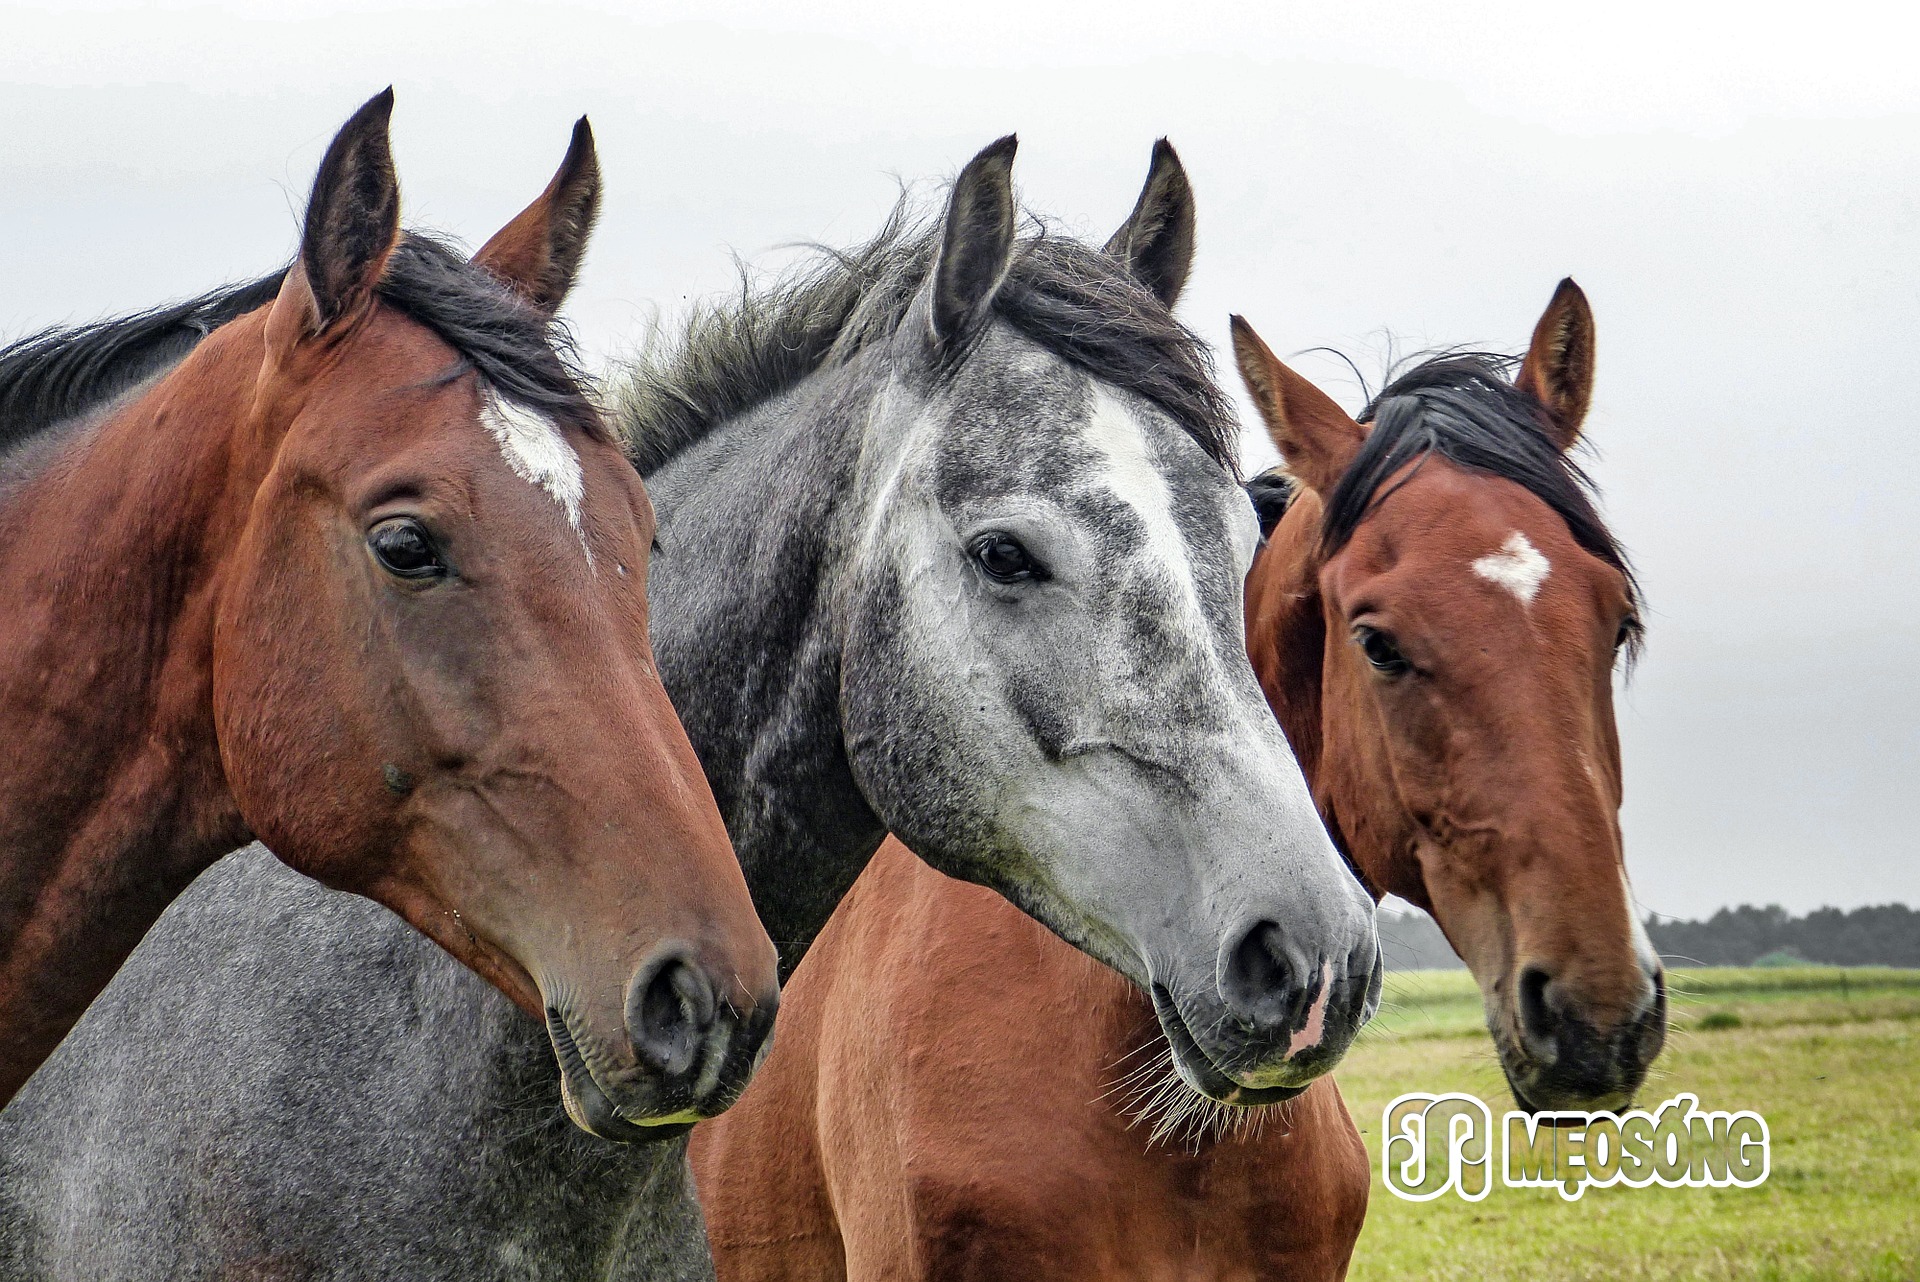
346,560
1440,650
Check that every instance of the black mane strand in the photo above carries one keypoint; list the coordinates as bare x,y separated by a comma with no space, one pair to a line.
1272,492
61,374
516,349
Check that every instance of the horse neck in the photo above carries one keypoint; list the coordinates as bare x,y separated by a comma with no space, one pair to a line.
1286,635
114,797
757,525
1287,641
1290,642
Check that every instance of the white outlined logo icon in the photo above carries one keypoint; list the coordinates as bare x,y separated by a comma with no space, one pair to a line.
1450,1136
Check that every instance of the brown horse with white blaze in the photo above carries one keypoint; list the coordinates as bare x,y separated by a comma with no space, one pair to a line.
1436,618
362,573
1471,608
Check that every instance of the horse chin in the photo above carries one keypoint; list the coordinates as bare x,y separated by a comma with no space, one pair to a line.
1199,1071
1533,1094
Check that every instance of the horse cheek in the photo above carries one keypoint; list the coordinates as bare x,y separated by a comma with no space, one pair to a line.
290,663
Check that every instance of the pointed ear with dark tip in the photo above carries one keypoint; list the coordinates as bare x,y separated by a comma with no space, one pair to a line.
1313,434
976,247
539,252
353,217
1558,369
1156,241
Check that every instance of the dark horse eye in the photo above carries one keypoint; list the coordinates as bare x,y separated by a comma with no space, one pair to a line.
1004,560
1380,650
403,547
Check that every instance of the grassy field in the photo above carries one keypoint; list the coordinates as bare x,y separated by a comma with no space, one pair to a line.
1831,1058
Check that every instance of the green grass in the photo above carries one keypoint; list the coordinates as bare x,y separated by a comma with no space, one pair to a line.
1830,1057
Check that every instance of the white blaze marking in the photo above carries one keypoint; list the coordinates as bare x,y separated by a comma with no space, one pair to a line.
1517,566
1642,946
1134,479
536,451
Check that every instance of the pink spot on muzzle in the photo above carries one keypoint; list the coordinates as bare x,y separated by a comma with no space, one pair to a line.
1309,1035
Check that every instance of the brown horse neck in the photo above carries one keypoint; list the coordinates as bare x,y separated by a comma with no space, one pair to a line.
1287,640
114,797
1286,635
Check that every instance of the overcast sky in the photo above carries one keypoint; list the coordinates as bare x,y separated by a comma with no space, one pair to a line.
1736,186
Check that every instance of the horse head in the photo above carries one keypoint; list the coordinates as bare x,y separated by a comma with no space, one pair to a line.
1438,618
432,681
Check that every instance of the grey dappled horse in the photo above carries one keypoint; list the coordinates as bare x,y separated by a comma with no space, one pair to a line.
950,544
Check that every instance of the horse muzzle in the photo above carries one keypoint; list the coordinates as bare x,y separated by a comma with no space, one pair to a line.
1280,1022
690,1053
1557,1058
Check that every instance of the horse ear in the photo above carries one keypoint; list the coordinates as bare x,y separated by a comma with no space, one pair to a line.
1156,241
976,248
1314,435
539,252
353,217
1558,369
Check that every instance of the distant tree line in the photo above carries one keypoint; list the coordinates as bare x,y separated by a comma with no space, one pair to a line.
1885,935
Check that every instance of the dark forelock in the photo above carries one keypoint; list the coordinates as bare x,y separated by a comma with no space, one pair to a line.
1464,407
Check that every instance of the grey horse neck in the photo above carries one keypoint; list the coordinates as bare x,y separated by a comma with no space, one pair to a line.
288,1082
753,520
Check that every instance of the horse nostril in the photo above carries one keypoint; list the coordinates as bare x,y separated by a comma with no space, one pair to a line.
1259,984
670,1010
1538,1022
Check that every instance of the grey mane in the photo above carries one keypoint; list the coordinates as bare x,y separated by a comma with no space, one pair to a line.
1074,300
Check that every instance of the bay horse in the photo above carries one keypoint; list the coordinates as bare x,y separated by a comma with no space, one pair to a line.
346,560
951,544
1436,618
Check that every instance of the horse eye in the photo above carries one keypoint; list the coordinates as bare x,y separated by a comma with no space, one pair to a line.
1380,650
403,548
1004,560
1629,628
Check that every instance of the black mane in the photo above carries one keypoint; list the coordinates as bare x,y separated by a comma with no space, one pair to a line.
517,350
1272,492
1072,299
60,374
1464,407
